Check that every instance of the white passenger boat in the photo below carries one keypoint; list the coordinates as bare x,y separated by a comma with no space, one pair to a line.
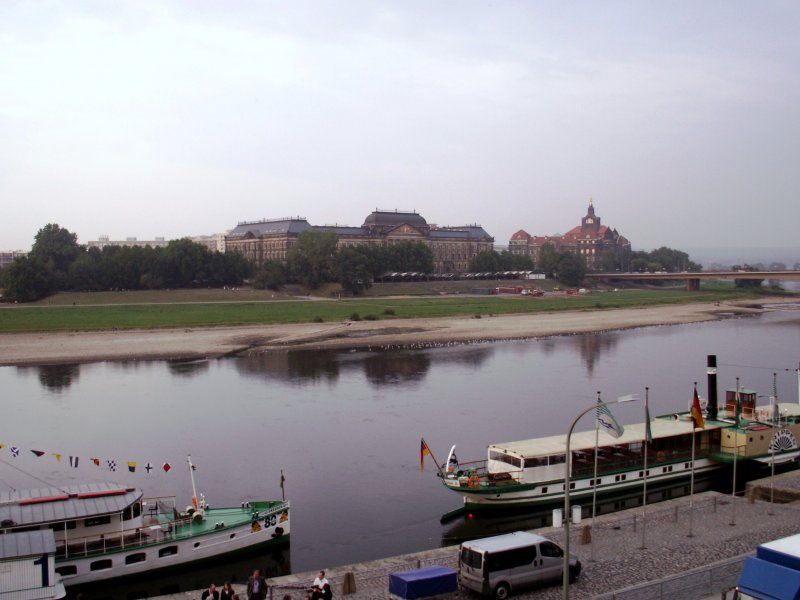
105,530
531,473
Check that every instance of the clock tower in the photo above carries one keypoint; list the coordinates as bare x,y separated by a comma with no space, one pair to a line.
590,223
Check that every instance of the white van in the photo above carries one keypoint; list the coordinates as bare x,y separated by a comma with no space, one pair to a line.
498,565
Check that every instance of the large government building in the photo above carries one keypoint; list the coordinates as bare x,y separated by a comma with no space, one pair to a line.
453,247
589,239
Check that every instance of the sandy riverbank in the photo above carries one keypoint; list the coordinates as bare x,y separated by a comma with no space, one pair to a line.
81,347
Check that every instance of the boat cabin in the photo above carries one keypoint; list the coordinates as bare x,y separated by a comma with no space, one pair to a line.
543,459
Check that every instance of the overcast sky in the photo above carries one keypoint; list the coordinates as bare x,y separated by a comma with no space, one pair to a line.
680,119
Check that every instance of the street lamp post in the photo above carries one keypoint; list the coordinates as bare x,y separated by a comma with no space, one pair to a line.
568,471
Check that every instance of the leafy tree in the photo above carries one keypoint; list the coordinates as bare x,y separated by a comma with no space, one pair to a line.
271,276
410,257
747,283
54,250
571,268
24,281
353,269
312,258
549,258
487,261
515,262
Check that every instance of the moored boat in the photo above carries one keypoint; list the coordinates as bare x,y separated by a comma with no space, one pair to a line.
531,473
106,530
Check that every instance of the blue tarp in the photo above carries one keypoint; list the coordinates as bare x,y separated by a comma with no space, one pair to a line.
421,583
763,579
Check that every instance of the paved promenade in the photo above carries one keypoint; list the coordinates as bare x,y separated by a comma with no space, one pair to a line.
628,550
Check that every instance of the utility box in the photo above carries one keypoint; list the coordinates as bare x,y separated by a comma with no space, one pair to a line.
428,582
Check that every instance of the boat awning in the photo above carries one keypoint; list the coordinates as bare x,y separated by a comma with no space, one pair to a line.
763,579
784,457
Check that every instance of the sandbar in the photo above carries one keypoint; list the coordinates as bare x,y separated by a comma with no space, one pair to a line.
214,342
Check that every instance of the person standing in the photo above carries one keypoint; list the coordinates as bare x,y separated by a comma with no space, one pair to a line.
256,586
226,593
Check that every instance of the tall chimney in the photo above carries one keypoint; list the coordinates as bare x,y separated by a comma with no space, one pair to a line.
711,370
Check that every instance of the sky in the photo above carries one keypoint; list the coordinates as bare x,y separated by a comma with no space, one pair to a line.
680,119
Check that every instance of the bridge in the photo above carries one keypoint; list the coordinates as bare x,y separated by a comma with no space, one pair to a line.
693,278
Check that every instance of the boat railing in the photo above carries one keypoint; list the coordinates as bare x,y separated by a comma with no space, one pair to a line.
623,462
156,528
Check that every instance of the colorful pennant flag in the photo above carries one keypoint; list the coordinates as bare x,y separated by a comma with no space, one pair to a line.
166,467
132,466
423,450
148,467
14,451
38,453
112,465
57,456
73,462
96,461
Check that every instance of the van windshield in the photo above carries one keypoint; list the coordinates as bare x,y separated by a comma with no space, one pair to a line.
470,558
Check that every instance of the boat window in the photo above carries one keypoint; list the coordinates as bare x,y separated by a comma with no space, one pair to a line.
132,511
535,462
96,521
502,457
60,526
100,565
168,551
556,459
67,570
135,558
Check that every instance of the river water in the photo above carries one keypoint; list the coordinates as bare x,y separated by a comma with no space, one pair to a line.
344,427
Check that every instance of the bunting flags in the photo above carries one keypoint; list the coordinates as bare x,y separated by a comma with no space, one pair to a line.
110,464
697,412
607,421
423,450
648,433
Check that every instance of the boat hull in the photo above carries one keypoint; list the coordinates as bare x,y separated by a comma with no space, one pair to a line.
270,528
542,495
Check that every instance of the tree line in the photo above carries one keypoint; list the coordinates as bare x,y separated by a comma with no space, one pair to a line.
57,262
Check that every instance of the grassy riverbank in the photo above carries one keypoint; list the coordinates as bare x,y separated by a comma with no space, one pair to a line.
209,308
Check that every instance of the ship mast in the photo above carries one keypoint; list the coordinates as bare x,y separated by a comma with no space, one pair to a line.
198,509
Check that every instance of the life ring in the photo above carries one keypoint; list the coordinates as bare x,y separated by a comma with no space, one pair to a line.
474,481
660,456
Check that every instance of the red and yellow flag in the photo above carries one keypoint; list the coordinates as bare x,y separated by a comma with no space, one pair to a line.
423,450
697,412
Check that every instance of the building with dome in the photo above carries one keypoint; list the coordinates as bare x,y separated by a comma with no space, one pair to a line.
453,247
590,240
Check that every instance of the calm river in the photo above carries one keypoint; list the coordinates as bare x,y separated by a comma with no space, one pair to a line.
345,427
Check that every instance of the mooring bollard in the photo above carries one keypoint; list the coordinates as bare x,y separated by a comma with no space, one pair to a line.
586,534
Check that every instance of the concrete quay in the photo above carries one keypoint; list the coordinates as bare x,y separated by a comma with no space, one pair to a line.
628,550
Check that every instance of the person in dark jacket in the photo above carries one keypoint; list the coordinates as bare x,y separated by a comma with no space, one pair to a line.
256,586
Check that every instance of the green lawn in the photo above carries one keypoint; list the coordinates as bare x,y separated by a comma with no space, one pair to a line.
185,308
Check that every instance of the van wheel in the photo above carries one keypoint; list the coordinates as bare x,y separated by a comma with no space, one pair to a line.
573,573
502,591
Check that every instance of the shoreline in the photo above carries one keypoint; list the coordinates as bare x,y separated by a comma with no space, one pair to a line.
30,349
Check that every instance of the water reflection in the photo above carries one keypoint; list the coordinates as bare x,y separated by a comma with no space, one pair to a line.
591,346
396,367
187,368
56,378
303,365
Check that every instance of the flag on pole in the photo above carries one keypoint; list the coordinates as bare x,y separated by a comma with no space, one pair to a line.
697,412
423,450
607,421
648,433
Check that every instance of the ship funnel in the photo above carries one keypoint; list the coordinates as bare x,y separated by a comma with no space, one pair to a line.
711,370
